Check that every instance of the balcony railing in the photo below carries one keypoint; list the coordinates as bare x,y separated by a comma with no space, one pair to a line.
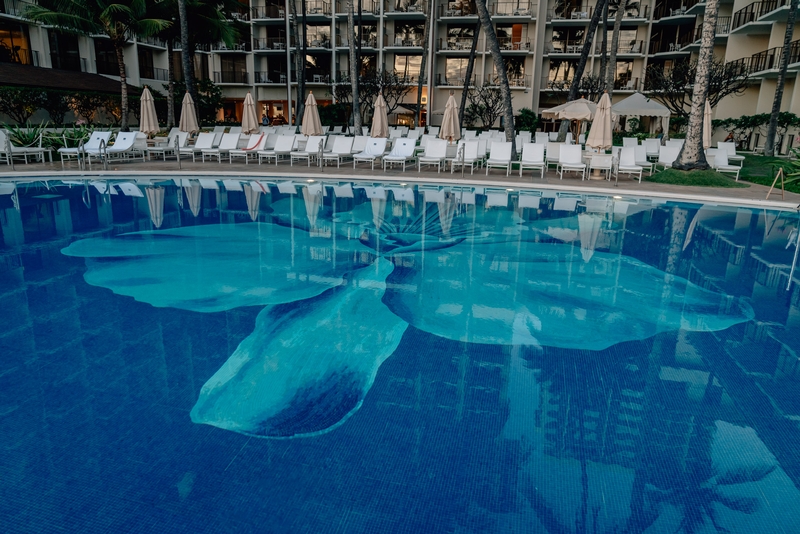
403,41
513,9
455,81
461,44
270,43
366,42
513,81
766,60
316,7
642,12
457,9
395,6
508,43
154,41
555,84
22,56
756,10
320,41
571,13
153,73
626,84
659,47
723,28
794,53
368,7
14,8
236,47
312,77
272,77
273,11
230,76
565,46
625,47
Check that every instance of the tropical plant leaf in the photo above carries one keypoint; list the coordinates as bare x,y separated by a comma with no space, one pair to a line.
742,475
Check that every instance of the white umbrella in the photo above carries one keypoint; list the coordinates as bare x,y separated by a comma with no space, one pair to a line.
378,212
250,123
155,201
313,201
588,229
252,196
188,121
450,130
380,122
600,134
194,193
311,122
707,126
148,121
447,210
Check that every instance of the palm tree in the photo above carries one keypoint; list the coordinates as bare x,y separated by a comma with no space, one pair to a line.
619,7
772,129
354,68
425,38
120,21
468,75
186,55
500,66
692,155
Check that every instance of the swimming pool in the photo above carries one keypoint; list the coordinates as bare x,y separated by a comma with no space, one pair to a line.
396,358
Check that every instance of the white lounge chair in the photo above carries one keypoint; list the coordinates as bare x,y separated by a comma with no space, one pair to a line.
553,153
230,141
499,156
435,154
169,147
336,130
24,151
541,138
433,130
340,150
414,134
311,151
374,150
283,147
235,130
674,143
471,156
652,147
532,158
721,164
667,156
204,141
402,153
627,163
730,149
359,144
629,141
640,158
602,162
256,143
570,159
93,143
122,147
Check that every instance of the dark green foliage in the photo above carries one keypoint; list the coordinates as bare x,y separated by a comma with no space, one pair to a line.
20,103
526,120
209,100
334,114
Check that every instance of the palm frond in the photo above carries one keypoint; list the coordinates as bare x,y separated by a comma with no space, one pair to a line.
743,475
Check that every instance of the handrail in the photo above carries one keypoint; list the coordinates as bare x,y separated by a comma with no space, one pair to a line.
461,152
81,155
178,150
15,197
320,152
102,154
86,195
10,155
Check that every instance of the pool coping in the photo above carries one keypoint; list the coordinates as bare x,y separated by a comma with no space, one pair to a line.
495,184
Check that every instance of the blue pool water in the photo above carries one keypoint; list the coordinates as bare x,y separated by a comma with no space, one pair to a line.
450,362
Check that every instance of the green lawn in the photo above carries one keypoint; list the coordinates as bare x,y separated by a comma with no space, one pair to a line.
697,178
762,170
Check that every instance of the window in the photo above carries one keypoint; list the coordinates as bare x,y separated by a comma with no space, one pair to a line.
14,45
456,70
146,63
511,36
105,57
407,67
561,70
64,52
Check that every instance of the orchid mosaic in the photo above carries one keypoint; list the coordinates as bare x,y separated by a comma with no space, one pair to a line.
340,287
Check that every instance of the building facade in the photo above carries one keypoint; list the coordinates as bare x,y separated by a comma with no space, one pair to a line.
541,44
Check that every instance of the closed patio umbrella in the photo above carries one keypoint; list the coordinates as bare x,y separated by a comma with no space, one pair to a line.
253,197
193,194
313,201
311,123
155,201
600,133
148,121
588,230
380,122
450,130
250,123
707,126
188,121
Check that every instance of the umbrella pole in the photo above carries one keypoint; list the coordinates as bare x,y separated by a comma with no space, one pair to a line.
178,151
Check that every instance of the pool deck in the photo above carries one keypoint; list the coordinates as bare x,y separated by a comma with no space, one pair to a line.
751,196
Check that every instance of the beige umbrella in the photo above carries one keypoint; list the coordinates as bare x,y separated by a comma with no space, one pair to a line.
450,130
380,122
575,110
447,211
707,126
311,122
588,230
148,122
188,117
313,202
252,196
193,193
600,133
155,201
250,123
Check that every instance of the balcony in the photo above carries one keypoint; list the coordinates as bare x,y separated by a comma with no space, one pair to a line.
23,57
642,13
555,85
319,42
671,47
580,14
722,29
370,41
315,9
236,47
230,76
403,10
152,41
403,41
794,56
508,44
515,82
513,10
267,12
626,48
270,44
153,73
455,81
675,12
626,84
369,8
567,46
458,44
766,64
457,9
756,18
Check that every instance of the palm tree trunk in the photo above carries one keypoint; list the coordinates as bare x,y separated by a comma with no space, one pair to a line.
772,129
301,79
298,61
612,60
123,80
351,32
421,79
170,87
468,77
502,74
692,155
581,66
604,46
186,53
